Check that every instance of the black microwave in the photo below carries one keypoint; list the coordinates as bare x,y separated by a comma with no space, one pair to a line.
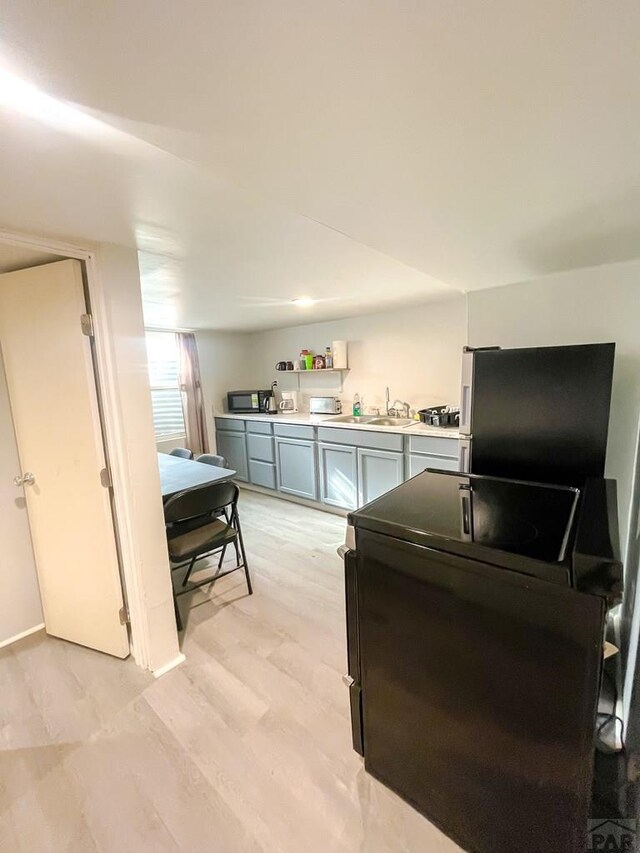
247,402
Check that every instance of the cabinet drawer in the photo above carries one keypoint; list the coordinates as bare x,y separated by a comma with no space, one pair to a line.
230,424
433,444
262,474
361,438
418,463
260,427
260,447
293,430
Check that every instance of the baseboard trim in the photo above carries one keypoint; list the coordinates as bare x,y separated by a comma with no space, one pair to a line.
163,670
22,635
274,493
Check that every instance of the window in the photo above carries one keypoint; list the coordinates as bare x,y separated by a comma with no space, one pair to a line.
164,376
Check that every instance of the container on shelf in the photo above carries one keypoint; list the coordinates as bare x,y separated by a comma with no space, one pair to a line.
318,362
339,350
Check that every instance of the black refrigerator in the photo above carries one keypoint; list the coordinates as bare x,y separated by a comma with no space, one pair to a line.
536,413
476,608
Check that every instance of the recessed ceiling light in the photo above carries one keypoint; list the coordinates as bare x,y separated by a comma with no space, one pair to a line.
303,301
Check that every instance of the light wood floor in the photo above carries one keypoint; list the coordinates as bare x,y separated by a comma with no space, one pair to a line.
245,747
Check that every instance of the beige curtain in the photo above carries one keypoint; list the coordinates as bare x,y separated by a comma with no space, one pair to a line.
195,419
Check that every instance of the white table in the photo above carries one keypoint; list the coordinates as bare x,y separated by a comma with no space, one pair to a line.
178,475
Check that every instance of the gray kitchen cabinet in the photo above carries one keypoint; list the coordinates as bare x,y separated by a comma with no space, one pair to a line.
434,444
262,474
418,463
230,424
294,430
233,446
379,471
338,475
260,447
296,466
259,427
432,452
361,438
262,457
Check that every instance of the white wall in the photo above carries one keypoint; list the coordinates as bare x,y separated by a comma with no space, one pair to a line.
20,608
416,351
584,306
226,364
139,502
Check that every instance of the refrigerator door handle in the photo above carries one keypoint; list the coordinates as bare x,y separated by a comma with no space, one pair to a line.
464,455
466,393
466,515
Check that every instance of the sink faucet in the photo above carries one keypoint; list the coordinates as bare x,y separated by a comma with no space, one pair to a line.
398,408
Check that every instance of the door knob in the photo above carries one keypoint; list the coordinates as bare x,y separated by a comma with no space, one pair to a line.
27,479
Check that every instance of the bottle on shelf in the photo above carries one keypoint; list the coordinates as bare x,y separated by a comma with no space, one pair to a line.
318,362
328,358
303,359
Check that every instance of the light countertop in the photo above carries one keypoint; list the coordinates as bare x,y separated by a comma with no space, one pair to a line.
306,419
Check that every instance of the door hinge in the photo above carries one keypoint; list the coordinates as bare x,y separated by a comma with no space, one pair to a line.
123,613
105,478
86,324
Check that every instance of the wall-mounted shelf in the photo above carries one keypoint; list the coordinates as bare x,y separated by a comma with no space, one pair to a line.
336,371
316,370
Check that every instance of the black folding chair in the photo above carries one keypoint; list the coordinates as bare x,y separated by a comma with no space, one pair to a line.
193,534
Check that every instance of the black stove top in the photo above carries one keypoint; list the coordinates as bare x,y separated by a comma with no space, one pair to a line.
526,519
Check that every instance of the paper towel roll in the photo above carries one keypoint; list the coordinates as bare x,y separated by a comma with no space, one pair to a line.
339,353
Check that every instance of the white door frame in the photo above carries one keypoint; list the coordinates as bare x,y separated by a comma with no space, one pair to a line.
115,449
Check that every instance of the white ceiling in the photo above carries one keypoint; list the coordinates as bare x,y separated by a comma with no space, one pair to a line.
368,152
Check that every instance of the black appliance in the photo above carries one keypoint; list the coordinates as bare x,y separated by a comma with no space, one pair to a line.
539,413
247,402
475,618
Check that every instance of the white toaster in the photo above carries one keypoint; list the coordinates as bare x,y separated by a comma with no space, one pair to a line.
325,406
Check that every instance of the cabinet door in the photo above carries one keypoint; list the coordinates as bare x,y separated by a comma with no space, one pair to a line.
379,471
338,475
418,463
233,447
296,463
260,447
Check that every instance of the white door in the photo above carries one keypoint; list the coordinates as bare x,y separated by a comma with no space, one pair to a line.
20,607
53,398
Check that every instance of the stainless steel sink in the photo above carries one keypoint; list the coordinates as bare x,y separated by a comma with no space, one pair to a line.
351,419
391,422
